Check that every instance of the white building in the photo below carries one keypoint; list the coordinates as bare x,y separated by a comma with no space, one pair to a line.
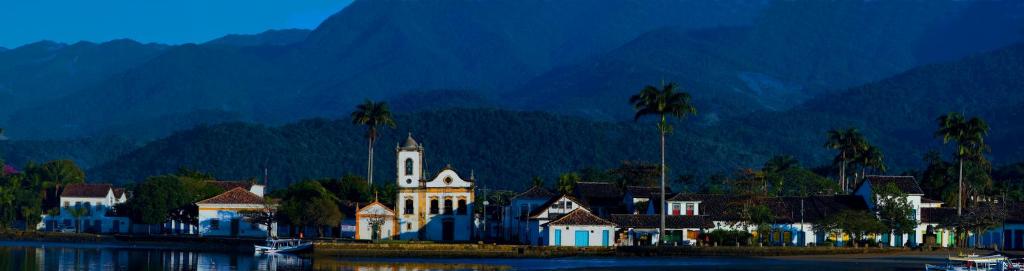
375,222
579,228
221,215
906,184
439,208
95,202
553,209
516,215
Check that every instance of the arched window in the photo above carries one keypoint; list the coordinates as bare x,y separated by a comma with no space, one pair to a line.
448,206
433,206
462,207
408,206
408,166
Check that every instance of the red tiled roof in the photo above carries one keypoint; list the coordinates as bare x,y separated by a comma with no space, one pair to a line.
86,190
907,184
653,221
580,217
118,192
535,192
238,195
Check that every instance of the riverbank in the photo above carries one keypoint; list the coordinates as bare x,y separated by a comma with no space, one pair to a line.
429,250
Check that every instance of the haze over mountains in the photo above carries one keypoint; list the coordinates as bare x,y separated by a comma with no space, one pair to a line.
768,77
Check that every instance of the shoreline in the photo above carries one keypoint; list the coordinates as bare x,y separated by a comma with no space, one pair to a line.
195,243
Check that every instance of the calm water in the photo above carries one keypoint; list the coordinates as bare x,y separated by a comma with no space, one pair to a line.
53,256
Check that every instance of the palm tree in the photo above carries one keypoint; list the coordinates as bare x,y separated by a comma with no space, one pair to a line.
372,115
664,103
850,143
77,213
969,136
873,158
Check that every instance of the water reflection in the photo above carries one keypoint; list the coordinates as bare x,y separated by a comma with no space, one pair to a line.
50,256
79,257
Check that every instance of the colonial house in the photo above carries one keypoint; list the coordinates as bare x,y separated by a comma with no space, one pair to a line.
517,213
438,208
222,215
375,221
642,229
553,209
578,228
88,208
907,185
644,199
601,198
186,228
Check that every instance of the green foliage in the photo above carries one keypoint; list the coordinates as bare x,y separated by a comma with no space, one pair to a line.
894,209
786,177
567,182
727,237
265,216
308,203
350,187
160,198
856,223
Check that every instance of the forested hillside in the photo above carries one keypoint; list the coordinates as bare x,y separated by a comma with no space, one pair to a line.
504,149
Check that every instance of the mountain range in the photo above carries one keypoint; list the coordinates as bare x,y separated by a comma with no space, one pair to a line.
768,77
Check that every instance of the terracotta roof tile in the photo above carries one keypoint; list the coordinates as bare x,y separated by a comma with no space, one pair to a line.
907,184
580,217
535,192
937,215
86,190
237,195
653,221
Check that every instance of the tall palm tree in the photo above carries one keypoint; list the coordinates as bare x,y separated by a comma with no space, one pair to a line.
373,115
969,136
850,143
664,102
872,158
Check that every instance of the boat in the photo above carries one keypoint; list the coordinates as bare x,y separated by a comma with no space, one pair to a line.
973,262
275,246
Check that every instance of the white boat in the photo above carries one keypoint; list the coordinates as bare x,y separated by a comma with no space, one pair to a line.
274,246
973,263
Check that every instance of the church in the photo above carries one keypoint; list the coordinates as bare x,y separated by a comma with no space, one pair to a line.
436,208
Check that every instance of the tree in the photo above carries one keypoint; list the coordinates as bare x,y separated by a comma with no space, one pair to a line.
78,213
849,143
350,187
750,204
162,198
567,182
855,223
266,215
663,103
969,136
53,176
895,210
32,216
372,115
636,173
308,203
871,158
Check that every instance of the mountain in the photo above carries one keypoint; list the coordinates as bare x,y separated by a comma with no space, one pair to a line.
794,51
432,100
371,49
899,113
86,152
504,149
270,37
46,70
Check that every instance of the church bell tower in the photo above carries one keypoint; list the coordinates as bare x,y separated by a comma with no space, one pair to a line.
410,163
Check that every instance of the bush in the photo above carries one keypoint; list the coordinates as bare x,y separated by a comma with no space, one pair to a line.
727,237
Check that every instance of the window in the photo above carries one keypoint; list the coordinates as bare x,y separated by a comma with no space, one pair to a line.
448,180
675,209
433,206
913,214
524,210
568,205
447,206
462,206
408,206
67,204
689,209
214,224
408,166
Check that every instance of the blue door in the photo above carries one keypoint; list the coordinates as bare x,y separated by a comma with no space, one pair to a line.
604,238
582,238
899,240
558,237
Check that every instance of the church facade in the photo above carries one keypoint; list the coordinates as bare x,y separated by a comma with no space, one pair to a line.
437,207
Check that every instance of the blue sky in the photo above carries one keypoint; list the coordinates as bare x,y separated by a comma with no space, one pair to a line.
163,21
